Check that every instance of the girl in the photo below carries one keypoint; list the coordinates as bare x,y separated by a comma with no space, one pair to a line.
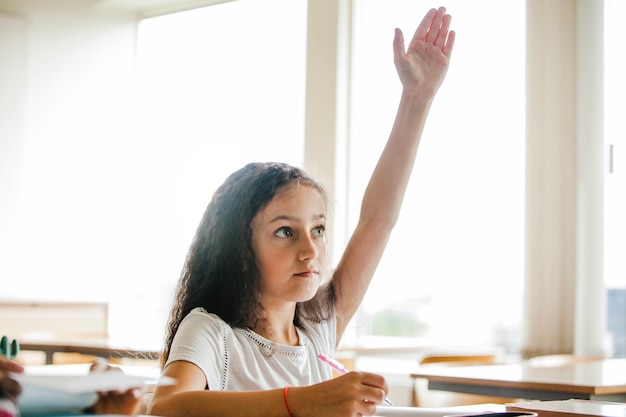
254,308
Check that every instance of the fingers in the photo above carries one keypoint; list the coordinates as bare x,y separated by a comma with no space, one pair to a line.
442,35
435,26
114,402
434,29
355,393
100,365
447,49
376,388
368,388
425,24
10,365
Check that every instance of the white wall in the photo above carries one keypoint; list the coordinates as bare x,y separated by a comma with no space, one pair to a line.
13,47
68,112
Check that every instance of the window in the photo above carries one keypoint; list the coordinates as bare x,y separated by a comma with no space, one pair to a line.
460,238
115,148
216,91
615,180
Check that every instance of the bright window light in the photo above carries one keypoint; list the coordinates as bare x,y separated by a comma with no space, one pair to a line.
453,269
615,179
217,87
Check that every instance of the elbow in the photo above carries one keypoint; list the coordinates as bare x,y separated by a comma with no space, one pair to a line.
157,408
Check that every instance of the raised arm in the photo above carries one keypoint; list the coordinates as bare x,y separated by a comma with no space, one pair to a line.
422,66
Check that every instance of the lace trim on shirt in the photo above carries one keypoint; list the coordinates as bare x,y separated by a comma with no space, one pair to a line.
226,357
313,319
269,348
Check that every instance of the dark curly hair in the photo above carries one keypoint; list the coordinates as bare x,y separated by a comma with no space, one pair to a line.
220,273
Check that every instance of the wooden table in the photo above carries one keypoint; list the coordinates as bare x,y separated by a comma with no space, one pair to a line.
597,380
103,348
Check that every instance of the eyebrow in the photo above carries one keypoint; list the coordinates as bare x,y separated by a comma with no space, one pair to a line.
282,217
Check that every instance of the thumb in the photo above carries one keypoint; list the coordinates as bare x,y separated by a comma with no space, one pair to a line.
398,43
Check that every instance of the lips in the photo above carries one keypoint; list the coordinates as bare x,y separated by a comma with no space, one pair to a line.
308,274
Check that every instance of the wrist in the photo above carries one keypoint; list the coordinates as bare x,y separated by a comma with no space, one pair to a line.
417,95
286,400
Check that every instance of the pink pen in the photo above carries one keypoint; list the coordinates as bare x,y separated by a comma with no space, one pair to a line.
337,366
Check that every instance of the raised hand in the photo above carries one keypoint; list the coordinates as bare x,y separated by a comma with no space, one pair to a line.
425,62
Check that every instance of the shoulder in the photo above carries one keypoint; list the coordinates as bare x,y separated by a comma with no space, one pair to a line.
200,316
200,340
201,327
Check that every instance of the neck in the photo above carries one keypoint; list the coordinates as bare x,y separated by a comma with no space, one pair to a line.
284,334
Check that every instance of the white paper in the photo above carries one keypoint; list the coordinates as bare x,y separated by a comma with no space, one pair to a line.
37,400
394,411
47,394
92,382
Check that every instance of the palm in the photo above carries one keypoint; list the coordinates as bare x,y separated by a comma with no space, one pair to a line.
427,57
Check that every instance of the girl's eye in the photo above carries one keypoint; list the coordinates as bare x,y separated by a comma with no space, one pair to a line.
319,231
284,232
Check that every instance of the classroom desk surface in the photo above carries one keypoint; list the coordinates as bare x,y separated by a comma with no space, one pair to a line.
603,379
463,410
97,347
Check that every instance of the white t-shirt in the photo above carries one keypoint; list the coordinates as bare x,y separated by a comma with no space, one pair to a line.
241,360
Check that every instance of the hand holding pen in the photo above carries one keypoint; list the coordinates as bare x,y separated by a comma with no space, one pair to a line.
337,366
355,393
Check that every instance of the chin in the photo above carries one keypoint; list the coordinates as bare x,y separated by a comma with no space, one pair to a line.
309,295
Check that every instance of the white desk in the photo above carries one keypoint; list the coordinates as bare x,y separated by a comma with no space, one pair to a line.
594,380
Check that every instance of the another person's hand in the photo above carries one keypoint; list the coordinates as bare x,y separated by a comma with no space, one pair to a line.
118,402
9,388
115,402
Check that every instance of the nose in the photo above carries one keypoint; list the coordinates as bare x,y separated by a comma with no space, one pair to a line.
308,249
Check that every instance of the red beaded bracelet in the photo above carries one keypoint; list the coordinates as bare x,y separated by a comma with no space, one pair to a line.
285,398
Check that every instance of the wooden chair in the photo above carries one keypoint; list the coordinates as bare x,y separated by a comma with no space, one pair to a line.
479,359
423,397
547,361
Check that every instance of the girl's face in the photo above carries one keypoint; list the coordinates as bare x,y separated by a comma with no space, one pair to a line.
289,241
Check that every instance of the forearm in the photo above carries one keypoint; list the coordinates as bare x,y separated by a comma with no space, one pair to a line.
381,205
209,403
383,196
355,393
422,68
